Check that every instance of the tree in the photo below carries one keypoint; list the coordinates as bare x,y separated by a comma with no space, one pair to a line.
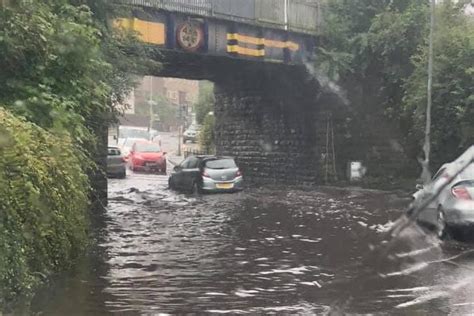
453,86
166,111
207,134
63,68
206,100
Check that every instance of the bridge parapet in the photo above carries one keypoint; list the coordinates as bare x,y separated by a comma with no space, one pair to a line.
301,16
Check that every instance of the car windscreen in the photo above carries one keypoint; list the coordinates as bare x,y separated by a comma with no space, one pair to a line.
220,164
147,148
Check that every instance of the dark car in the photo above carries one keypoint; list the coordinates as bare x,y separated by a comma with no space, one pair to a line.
206,174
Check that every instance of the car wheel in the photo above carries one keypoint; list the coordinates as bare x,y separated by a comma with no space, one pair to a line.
122,175
171,184
441,223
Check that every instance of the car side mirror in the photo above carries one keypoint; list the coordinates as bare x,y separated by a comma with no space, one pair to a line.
176,168
419,187
164,153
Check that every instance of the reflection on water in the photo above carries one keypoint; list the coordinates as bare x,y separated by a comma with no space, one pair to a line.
266,251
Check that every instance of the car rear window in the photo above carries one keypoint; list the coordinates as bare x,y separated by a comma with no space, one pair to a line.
221,164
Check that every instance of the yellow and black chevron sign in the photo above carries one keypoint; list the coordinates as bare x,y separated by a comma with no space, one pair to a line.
240,44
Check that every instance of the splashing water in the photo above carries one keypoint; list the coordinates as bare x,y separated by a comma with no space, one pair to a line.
326,83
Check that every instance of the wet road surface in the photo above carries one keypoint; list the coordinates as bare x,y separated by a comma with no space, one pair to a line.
262,251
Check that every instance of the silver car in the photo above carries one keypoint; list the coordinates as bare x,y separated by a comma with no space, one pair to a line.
452,211
191,134
116,163
206,174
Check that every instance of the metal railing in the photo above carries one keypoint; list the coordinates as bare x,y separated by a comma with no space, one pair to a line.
195,152
302,16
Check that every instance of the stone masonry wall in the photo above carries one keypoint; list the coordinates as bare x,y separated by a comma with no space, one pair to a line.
267,119
274,119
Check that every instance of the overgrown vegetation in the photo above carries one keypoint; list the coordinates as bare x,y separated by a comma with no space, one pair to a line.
377,51
205,102
166,113
63,68
43,222
204,109
207,140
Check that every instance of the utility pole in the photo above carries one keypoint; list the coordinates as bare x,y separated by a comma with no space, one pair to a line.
150,103
180,133
426,174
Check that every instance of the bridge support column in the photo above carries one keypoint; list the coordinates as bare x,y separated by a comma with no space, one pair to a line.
267,117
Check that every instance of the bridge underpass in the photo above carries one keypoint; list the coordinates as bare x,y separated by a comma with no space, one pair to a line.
266,103
267,115
271,114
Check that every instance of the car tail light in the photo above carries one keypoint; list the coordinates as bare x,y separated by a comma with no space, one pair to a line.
238,173
205,174
461,193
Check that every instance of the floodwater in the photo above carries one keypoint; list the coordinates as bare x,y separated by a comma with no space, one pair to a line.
318,251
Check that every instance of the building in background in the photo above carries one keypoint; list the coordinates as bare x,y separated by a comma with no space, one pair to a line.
179,93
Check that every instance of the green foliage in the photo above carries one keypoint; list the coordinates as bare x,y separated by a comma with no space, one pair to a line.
453,86
206,100
43,212
377,51
62,68
166,111
207,134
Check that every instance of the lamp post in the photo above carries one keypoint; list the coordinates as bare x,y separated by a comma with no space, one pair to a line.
151,103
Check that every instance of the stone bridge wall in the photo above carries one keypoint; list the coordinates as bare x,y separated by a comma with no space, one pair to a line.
267,118
273,119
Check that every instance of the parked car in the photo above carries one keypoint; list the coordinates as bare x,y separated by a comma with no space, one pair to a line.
116,163
147,156
191,134
206,174
452,211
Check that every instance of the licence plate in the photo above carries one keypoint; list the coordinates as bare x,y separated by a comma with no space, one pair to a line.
224,185
151,164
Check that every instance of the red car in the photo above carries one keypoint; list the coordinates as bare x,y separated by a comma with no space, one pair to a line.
147,156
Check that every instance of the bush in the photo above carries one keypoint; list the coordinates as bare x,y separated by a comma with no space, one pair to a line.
44,194
207,135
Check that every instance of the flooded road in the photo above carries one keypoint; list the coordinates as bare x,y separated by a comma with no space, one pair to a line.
262,251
